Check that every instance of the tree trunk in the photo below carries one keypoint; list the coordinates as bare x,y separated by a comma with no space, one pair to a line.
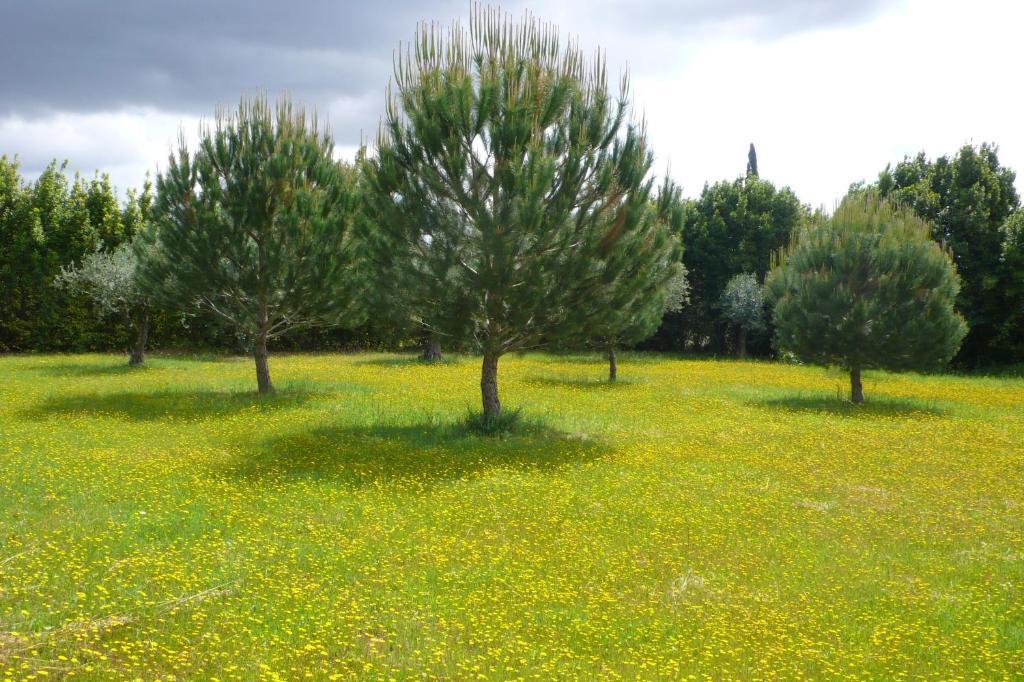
489,385
138,355
741,349
431,348
613,365
856,389
262,368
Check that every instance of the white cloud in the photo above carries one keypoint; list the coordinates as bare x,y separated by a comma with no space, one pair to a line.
125,144
830,107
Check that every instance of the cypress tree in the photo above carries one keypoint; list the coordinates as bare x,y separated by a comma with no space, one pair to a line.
508,169
867,288
752,162
254,227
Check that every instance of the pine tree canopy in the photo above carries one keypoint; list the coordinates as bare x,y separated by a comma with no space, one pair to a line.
650,281
507,170
254,226
867,288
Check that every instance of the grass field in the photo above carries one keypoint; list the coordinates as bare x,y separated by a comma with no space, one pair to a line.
699,519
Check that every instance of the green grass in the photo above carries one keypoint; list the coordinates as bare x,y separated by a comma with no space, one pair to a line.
698,518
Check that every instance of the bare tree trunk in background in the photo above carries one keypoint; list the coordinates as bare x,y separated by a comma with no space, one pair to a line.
431,348
741,348
856,388
613,365
489,385
138,355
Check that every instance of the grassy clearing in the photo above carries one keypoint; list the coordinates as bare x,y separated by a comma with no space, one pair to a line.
714,519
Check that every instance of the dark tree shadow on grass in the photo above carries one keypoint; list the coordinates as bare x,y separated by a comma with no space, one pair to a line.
582,382
405,361
183,404
877,407
420,454
88,369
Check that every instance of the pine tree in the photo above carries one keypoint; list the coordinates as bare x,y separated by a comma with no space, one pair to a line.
651,283
752,162
508,169
254,226
414,288
868,288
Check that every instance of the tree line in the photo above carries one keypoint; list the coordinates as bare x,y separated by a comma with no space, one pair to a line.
509,205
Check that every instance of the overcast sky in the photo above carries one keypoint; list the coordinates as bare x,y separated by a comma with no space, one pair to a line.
828,90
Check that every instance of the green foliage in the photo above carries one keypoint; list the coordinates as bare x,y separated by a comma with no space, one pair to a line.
45,225
743,302
1011,330
867,289
508,175
254,226
109,277
742,305
651,279
966,199
732,228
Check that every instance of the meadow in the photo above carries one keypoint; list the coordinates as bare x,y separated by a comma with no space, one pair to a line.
699,519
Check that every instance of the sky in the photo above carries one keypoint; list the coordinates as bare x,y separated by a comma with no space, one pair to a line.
829,91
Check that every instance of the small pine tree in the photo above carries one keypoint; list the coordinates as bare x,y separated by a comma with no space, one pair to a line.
868,288
743,305
254,227
652,283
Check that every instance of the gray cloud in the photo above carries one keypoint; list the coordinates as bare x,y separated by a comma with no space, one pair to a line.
69,55
189,56
179,60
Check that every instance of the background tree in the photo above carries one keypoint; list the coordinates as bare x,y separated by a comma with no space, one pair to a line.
520,139
752,161
867,289
1010,337
44,225
110,278
743,305
254,226
733,227
966,198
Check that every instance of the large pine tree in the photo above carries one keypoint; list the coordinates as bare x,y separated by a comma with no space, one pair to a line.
506,169
254,226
